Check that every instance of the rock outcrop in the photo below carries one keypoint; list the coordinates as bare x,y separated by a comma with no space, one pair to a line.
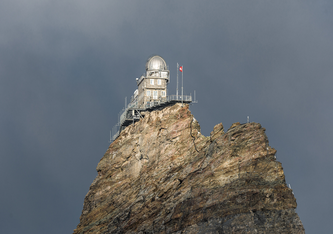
161,175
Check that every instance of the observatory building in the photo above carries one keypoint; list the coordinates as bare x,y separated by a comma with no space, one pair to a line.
152,86
151,94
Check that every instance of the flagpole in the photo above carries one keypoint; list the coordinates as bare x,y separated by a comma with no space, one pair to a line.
177,81
182,84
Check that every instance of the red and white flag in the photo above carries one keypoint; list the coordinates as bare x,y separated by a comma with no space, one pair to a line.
181,68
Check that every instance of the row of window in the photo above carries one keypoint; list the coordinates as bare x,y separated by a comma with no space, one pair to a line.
159,82
158,74
155,94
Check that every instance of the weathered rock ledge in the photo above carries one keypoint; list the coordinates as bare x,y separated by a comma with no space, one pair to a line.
162,176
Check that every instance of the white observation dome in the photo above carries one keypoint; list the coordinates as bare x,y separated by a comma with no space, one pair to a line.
156,63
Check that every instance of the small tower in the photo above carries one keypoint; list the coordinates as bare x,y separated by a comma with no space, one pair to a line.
152,86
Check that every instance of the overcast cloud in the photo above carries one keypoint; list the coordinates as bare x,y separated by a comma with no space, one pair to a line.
66,67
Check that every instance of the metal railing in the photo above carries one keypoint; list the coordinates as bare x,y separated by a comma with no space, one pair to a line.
167,99
180,97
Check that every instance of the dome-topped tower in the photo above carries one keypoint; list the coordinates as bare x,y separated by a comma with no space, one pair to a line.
153,86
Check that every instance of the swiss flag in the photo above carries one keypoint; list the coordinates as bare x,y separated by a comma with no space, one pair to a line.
181,68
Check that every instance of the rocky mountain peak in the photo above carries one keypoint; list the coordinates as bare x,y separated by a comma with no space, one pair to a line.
161,175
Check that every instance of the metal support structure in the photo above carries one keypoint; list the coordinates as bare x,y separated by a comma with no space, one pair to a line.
139,114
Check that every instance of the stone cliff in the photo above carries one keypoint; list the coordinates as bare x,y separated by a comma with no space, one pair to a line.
162,176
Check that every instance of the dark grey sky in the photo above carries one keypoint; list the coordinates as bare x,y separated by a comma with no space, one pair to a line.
66,67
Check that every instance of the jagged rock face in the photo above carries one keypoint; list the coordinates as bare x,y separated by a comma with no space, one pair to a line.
162,176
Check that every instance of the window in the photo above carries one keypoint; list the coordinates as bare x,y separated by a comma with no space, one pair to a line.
151,81
163,93
148,93
155,94
159,82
